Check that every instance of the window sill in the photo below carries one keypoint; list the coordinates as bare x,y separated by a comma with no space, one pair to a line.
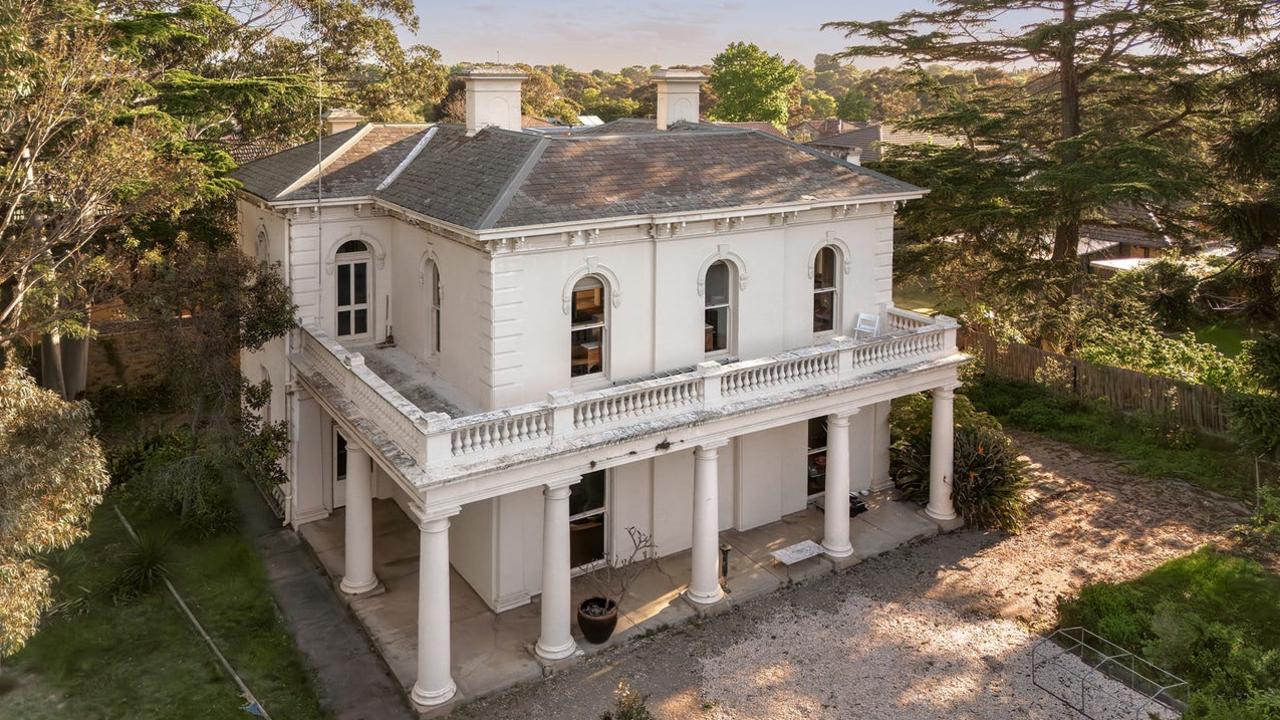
587,383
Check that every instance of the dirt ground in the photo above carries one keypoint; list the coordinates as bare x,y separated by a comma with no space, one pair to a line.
940,629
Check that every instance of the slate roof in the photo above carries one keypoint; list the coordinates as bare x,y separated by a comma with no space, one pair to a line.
870,139
498,178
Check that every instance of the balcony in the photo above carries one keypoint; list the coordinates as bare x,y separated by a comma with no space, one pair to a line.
429,440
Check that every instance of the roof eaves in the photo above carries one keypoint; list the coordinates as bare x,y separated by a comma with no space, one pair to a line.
324,162
517,179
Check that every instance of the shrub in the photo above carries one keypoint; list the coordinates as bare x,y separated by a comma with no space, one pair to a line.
988,477
174,473
143,567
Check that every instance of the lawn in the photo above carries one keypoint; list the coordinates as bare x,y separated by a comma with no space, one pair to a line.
141,658
1227,336
1210,618
1146,446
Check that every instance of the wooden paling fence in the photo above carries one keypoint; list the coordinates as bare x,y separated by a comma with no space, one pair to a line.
1124,390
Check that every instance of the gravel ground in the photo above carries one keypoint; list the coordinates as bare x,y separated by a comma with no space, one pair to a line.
940,629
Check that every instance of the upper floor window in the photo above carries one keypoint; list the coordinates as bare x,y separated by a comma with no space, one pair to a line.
433,319
826,303
719,308
262,247
354,289
587,334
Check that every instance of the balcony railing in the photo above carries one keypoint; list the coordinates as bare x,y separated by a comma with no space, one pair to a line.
434,439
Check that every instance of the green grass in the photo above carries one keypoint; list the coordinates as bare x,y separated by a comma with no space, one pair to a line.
1227,336
1211,618
141,658
1145,445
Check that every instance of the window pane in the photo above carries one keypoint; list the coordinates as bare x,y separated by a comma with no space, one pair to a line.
344,285
586,351
340,469
361,271
588,305
717,329
824,269
352,246
586,540
344,322
362,322
718,284
817,471
435,329
588,494
824,302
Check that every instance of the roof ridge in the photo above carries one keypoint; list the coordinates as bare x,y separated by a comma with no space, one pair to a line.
500,203
859,169
317,169
407,159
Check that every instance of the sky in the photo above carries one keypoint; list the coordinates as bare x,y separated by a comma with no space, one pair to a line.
611,34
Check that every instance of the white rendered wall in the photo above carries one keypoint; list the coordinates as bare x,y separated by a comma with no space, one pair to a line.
656,317
762,478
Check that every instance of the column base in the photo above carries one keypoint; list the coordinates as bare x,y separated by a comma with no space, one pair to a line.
838,551
705,598
372,587
432,698
555,653
931,512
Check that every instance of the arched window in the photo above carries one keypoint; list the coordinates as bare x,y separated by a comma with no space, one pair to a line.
826,300
587,327
355,290
432,275
719,314
262,248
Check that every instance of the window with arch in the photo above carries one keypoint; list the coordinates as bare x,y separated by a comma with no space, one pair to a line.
826,305
355,289
432,275
587,327
718,297
262,247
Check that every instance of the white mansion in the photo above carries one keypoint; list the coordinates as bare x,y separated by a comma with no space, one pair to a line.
531,341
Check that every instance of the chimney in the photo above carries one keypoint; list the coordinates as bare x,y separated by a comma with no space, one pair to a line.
338,119
493,97
677,96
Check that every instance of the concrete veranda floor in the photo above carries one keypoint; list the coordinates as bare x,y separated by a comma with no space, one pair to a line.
492,651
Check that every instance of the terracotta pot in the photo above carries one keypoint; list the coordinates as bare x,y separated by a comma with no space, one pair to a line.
598,626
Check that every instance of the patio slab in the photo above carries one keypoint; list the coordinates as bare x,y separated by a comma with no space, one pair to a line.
492,651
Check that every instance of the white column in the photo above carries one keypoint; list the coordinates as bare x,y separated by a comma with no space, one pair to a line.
704,581
941,456
358,574
835,539
434,685
555,641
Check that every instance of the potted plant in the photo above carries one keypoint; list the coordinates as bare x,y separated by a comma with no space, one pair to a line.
598,614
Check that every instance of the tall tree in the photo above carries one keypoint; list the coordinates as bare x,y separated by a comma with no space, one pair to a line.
1109,114
752,84
52,477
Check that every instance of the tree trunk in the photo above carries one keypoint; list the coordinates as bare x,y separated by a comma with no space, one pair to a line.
1066,238
75,366
51,375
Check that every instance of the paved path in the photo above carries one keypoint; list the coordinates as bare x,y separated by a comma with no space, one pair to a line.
353,683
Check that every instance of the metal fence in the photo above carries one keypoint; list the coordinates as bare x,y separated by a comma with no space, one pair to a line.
1103,681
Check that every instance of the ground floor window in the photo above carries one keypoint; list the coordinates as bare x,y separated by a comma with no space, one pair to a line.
339,457
817,477
587,515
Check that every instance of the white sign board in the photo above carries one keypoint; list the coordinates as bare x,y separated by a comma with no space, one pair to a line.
792,554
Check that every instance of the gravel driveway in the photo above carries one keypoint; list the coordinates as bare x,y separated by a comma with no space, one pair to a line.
938,630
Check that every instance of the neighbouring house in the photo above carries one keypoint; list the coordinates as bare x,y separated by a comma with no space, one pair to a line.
807,130
524,344
866,143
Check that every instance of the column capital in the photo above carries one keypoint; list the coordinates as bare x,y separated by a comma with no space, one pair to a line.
842,415
945,391
708,447
561,484
436,519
